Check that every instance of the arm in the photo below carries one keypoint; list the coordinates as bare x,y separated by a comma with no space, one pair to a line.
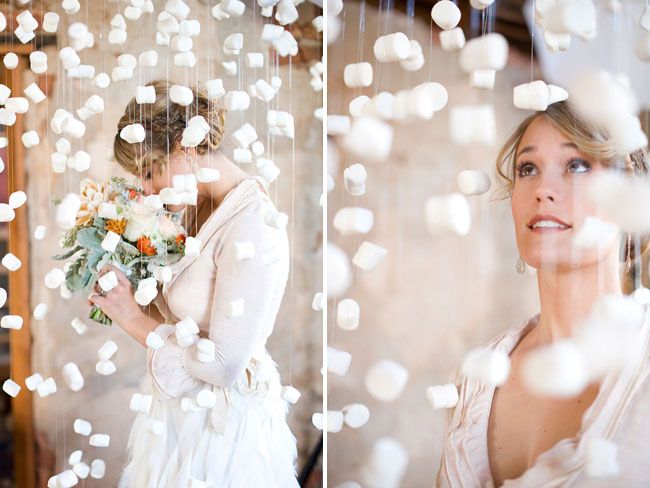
176,369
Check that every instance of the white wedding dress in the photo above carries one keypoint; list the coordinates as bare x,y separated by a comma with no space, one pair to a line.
244,440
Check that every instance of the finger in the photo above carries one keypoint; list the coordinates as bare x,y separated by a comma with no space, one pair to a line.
97,299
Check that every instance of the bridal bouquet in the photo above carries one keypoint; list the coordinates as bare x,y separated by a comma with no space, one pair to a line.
117,225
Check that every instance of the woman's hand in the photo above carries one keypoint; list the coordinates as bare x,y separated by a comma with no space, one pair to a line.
122,308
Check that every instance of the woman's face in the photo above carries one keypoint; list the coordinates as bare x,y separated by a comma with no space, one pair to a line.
549,199
155,177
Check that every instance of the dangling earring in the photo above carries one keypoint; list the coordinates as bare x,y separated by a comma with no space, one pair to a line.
628,253
521,266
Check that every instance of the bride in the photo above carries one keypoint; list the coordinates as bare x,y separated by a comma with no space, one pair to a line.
507,436
243,441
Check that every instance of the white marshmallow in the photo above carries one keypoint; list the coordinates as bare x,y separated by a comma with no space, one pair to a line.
11,262
473,182
100,440
32,382
490,366
236,308
233,8
70,6
594,233
415,60
482,78
192,246
338,362
358,75
486,52
30,139
7,117
445,14
108,281
82,427
40,311
5,91
233,44
23,35
107,350
368,256
17,105
3,297
82,470
11,322
133,133
355,415
264,91
230,67
278,220
97,469
338,124
105,368
354,177
10,60
39,232
47,388
74,128
386,379
102,80
370,138
334,421
50,22
79,325
11,388
392,47
110,241
38,62
356,105
347,314
353,220
317,302
141,403
215,88
73,376
34,93
557,370
443,396
267,169
54,278
237,100
473,124
17,199
181,95
254,60
577,17
7,213
145,94
185,60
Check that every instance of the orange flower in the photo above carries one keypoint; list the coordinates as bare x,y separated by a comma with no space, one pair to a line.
180,240
132,194
117,226
145,247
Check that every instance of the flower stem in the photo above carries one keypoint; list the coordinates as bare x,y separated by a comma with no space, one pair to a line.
98,315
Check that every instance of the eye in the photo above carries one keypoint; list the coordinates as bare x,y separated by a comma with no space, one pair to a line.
147,175
526,168
577,165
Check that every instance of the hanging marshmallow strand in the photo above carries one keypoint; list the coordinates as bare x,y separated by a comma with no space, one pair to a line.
392,47
368,256
338,362
473,182
486,52
370,138
355,415
415,59
489,366
339,271
386,464
537,95
133,133
386,379
354,177
347,314
448,213
444,396
470,124
577,17
353,220
73,376
358,75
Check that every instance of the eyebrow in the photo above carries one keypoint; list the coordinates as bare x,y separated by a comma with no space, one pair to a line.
528,149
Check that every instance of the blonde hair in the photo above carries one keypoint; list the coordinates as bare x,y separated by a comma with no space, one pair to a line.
591,140
164,122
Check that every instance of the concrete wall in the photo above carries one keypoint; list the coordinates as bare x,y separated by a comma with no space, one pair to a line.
296,343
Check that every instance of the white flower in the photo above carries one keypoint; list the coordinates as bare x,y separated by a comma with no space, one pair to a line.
141,221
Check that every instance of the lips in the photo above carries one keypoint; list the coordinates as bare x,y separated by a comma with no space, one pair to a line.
546,222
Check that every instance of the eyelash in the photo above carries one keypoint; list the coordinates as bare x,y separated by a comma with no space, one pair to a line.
523,164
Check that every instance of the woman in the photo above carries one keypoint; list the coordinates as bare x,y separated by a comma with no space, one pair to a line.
244,440
507,436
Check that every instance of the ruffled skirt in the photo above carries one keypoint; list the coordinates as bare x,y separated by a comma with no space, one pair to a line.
242,442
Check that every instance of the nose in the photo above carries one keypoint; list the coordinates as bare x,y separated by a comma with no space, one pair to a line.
548,189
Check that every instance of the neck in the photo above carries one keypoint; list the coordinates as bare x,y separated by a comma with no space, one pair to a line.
567,296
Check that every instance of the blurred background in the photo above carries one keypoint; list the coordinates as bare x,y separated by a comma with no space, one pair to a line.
434,298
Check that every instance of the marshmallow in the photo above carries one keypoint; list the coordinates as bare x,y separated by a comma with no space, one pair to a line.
338,124
100,440
236,308
95,103
577,17
68,478
445,14
237,100
32,382
347,314
23,35
473,124
34,93
206,350
3,297
40,311
415,60
644,21
185,60
317,302
69,58
267,169
193,135
30,139
141,403
117,36
11,388
39,232
50,22
7,213
132,13
145,94
74,128
133,133
286,12
386,379
317,420
97,469
356,105
264,91
338,362
17,199
10,60
70,6
370,138
108,281
105,368
601,458
482,78
190,28
233,8
82,470
355,415
102,80
473,182
557,370
290,394
368,256
334,421
38,62
192,246
156,427
181,95
72,376
354,177
353,220
5,91
490,366
110,241
11,322
82,427
121,73
486,52
206,399
278,220
79,325
448,213
7,117
11,262
230,67
17,105
443,396
392,47
181,43
233,44
46,388
386,465
54,278
594,233
357,75
254,60
207,175
628,135
537,95
108,349
215,88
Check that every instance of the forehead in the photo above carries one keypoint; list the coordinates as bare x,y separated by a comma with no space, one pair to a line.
542,130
